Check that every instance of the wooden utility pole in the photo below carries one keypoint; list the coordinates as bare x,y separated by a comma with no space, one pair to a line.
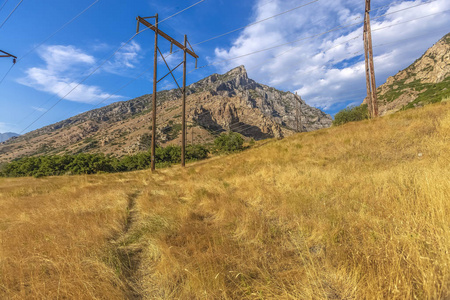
6,54
370,69
183,108
369,93
155,80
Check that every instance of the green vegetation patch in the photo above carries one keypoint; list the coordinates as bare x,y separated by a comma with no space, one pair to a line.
229,142
85,163
434,92
351,114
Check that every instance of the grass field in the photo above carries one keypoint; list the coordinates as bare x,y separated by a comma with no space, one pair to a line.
359,211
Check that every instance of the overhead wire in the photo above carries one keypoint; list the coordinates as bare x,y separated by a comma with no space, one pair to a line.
7,18
58,30
318,35
339,27
334,45
305,38
49,37
338,45
3,5
99,66
399,23
169,17
79,83
254,23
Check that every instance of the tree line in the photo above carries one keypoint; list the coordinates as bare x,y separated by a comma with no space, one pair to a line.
92,163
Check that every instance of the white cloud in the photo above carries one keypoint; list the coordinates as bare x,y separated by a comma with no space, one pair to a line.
328,71
126,58
64,65
40,109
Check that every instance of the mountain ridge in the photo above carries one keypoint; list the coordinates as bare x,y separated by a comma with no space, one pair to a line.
427,80
215,104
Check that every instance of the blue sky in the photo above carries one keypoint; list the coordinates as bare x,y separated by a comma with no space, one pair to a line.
51,81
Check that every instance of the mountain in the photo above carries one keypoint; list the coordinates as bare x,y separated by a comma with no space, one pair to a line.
7,135
215,104
425,81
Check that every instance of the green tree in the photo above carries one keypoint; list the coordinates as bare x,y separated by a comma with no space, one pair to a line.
229,142
351,114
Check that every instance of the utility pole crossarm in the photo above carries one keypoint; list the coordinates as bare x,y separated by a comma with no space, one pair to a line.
6,54
166,36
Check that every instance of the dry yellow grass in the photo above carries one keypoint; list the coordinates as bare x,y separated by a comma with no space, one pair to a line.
353,212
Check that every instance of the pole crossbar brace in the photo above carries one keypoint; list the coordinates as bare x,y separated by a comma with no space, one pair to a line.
166,36
170,71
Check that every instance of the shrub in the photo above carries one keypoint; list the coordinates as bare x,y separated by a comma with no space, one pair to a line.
351,114
196,152
230,142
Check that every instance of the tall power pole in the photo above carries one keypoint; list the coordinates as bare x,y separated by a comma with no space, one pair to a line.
185,49
370,69
155,83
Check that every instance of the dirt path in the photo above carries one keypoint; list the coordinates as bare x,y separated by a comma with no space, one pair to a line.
127,254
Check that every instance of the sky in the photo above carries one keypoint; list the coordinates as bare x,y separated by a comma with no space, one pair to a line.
74,56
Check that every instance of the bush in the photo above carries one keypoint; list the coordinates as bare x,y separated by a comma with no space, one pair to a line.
196,152
351,114
230,142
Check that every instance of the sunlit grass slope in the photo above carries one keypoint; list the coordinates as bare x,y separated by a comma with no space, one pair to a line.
359,211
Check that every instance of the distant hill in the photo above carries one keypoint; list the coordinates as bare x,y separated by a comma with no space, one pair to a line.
5,136
425,81
218,103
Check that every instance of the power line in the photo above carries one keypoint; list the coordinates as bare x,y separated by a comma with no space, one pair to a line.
399,23
315,36
403,9
9,70
380,7
321,51
49,37
180,11
78,84
254,23
3,5
98,67
11,13
57,31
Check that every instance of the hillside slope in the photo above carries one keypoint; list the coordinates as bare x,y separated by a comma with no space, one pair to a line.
358,211
425,81
215,104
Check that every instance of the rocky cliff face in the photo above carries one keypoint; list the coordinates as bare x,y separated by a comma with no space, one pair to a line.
274,109
215,104
427,80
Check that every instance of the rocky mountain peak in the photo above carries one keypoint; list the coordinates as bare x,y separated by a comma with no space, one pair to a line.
238,71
